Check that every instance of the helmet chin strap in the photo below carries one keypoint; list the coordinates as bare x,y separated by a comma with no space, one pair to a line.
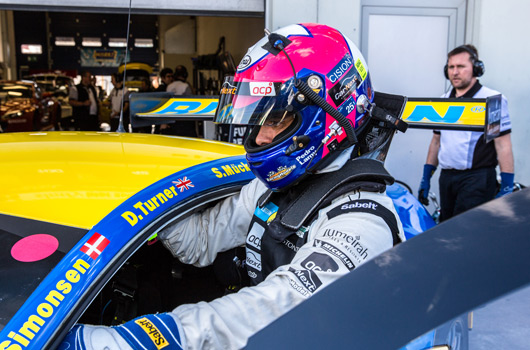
277,44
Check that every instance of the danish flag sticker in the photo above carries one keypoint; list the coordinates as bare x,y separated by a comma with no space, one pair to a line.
95,245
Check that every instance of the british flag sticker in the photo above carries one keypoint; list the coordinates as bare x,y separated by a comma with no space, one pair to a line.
95,245
183,184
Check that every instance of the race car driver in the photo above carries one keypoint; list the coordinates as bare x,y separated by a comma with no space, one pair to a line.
316,210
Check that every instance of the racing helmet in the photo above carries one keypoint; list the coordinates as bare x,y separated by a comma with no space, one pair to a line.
309,77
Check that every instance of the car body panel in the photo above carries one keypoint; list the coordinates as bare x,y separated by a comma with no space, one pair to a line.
414,217
461,264
75,178
81,187
101,248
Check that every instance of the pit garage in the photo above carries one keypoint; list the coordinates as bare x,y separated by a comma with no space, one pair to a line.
53,42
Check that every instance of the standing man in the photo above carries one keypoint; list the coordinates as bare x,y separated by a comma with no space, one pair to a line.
83,99
166,78
180,86
119,93
468,176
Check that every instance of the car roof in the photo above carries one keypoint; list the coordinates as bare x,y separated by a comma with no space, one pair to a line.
411,289
76,178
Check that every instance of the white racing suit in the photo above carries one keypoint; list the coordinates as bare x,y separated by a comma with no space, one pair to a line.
338,239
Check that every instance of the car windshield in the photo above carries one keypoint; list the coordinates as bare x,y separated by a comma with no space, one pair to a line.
13,90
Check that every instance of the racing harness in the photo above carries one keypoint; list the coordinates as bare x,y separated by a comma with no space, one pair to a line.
279,225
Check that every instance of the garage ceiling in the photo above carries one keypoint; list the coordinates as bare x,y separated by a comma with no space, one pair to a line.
251,8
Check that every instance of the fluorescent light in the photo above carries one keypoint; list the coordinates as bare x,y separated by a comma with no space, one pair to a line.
143,43
91,42
64,41
117,42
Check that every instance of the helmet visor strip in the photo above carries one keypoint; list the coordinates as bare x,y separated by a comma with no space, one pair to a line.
255,103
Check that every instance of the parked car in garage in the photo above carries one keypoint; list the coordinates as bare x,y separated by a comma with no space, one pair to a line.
136,71
57,85
25,107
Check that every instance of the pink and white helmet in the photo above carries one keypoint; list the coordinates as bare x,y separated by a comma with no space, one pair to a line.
309,71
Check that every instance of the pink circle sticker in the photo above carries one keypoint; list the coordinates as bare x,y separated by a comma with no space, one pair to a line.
34,248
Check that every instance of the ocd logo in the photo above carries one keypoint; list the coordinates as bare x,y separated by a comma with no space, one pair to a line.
262,89
477,109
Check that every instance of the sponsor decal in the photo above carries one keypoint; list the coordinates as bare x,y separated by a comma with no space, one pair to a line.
262,89
245,62
253,260
341,68
445,112
95,245
187,106
360,68
345,87
350,243
306,156
290,245
252,274
105,54
254,236
46,309
281,173
313,263
228,89
358,204
348,106
156,336
336,252
452,115
183,184
299,288
160,200
230,169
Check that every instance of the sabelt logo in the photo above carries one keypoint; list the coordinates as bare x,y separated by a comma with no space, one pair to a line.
262,89
156,336
365,205
46,309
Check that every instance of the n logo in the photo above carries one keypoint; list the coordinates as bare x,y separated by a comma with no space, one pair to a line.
452,115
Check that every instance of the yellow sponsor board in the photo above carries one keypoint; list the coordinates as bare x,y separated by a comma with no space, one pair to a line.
185,106
451,113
